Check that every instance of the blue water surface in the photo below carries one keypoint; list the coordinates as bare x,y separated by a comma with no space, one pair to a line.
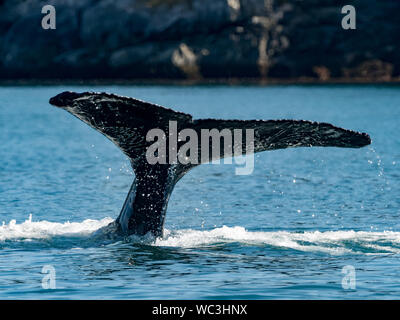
290,230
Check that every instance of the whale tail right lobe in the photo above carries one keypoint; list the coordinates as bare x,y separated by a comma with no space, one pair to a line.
126,122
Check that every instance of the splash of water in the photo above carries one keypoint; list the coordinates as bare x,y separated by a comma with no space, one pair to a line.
376,161
330,242
31,230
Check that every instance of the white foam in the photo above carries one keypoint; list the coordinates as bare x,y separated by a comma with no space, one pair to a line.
332,242
31,230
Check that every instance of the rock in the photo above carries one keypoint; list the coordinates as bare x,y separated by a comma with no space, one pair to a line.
200,39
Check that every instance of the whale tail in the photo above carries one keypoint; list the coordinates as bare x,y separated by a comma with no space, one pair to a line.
127,121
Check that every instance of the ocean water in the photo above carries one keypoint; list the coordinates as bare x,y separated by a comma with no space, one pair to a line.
309,223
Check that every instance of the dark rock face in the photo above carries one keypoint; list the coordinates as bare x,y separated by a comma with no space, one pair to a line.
200,39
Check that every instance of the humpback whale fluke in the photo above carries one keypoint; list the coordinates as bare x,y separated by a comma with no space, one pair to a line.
126,121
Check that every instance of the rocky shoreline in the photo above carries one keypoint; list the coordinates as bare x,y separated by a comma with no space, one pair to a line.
200,41
197,82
